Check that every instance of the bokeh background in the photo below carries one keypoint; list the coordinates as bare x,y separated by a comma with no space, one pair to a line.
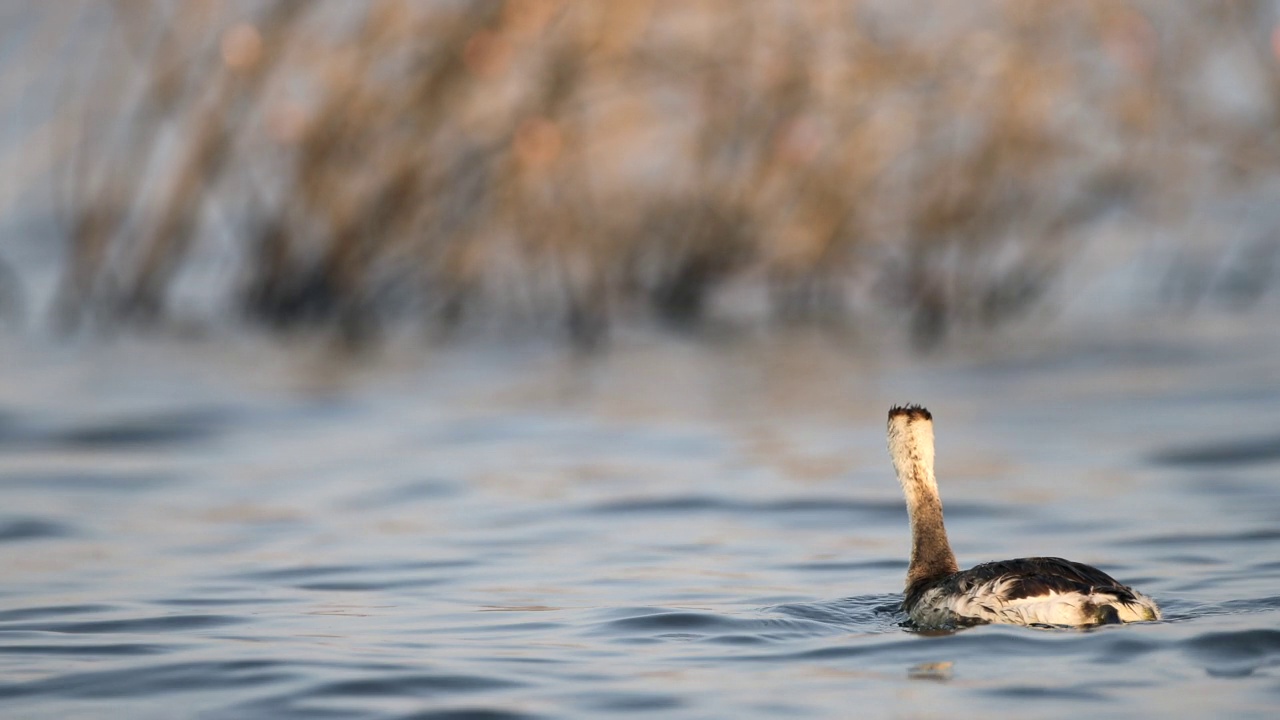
563,169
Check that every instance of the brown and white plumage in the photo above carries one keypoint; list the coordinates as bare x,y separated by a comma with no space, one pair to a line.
1026,591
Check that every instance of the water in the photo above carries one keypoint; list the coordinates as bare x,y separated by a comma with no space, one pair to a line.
702,529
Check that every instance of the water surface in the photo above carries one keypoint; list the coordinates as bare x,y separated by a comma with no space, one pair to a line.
672,529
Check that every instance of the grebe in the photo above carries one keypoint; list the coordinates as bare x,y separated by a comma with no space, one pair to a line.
1026,591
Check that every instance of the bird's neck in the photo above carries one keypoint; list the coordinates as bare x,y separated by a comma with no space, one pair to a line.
911,447
931,554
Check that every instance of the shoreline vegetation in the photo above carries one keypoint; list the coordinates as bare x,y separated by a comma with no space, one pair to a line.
335,167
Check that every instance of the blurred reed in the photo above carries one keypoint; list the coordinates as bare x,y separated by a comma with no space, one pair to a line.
566,166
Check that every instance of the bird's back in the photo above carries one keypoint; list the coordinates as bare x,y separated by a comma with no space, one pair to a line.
1026,591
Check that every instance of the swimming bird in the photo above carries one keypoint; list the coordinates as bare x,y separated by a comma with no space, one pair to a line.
1041,591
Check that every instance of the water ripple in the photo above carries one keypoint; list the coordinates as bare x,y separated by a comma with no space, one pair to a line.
1042,692
328,698
1236,645
162,623
769,625
357,578
151,680
471,713
84,481
650,625
630,702
52,610
27,528
418,685
672,504
86,650
1222,454
864,613
1243,536
157,429
847,566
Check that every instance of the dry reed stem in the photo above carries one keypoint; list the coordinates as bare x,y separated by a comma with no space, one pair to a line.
571,164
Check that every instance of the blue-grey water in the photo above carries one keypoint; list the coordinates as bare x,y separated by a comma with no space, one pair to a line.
701,529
